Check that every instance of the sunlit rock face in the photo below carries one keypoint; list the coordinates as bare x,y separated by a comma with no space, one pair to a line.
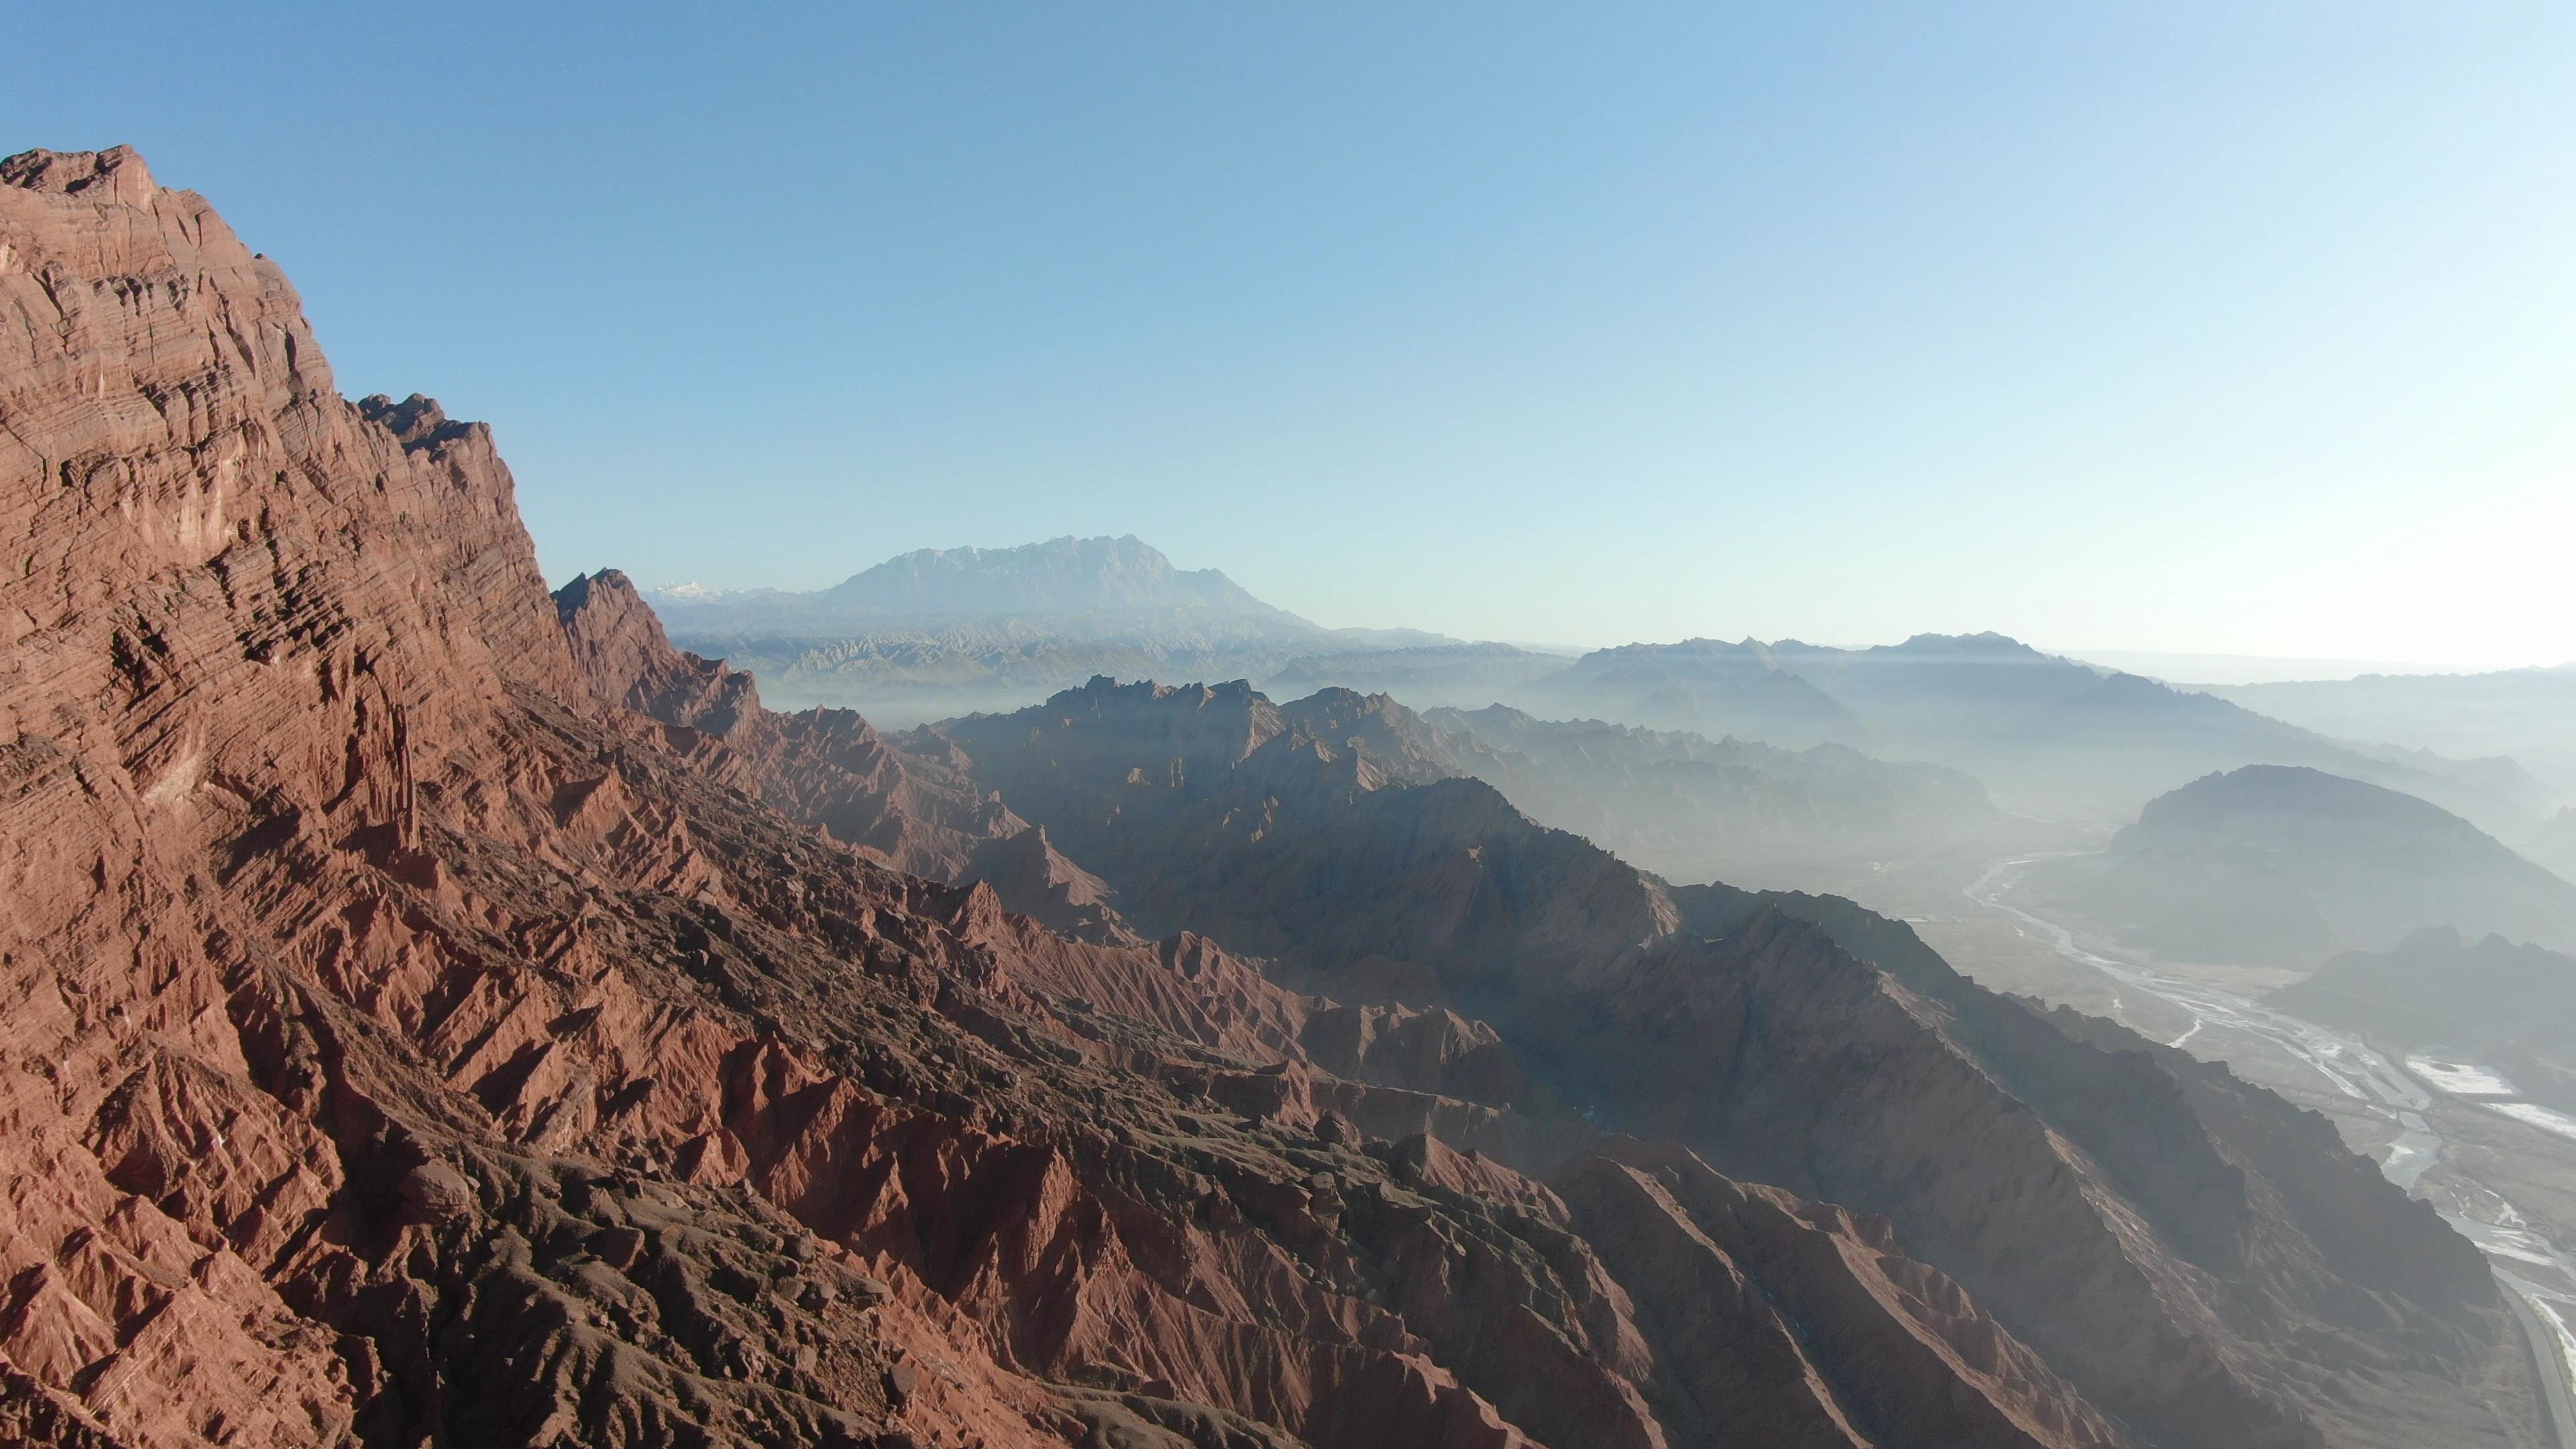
439,1012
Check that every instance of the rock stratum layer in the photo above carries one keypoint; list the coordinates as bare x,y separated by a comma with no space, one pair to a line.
441,1014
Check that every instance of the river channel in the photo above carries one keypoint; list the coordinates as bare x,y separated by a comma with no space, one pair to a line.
2539,1280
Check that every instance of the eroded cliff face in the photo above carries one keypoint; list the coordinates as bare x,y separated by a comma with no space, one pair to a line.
423,1026
825,767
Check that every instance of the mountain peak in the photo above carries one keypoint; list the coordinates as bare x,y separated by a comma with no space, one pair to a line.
116,172
1068,575
1984,644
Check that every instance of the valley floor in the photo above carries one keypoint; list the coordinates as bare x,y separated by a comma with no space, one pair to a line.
2499,1171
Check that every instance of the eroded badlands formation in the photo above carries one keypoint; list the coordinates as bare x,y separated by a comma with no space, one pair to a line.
432,1012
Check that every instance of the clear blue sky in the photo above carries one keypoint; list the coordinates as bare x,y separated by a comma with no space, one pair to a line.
2211,327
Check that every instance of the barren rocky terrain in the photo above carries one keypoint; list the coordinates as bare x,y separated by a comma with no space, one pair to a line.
439,1012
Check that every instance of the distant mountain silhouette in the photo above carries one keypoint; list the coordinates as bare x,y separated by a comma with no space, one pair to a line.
2286,866
2554,843
1423,675
1080,576
939,632
1112,587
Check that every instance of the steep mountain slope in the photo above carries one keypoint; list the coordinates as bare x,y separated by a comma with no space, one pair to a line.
825,767
914,810
2199,1259
2285,866
2507,1005
414,1037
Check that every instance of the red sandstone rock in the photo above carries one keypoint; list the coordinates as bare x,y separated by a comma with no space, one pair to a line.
826,767
431,1014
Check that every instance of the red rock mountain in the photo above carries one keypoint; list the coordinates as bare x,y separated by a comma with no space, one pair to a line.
438,1013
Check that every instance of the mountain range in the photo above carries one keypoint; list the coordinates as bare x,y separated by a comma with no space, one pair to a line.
443,1012
2527,714
2047,734
951,632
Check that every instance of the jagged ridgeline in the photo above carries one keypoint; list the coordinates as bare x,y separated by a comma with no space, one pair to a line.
439,1013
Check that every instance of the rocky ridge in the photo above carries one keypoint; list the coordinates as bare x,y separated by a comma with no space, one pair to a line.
2201,1262
441,1014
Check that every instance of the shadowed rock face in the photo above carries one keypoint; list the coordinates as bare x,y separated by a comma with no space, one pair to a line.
2505,1004
2195,1255
438,1013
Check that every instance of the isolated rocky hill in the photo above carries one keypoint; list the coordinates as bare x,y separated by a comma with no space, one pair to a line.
440,1012
2284,866
2504,1004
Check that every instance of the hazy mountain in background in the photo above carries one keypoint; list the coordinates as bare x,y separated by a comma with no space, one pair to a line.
2529,714
1424,675
1694,809
940,632
1100,578
2046,733
1086,587
2285,866
1707,686
2200,671
2502,1004
2554,843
